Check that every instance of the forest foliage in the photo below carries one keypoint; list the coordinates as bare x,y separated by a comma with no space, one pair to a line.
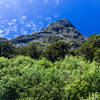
90,49
71,78
50,72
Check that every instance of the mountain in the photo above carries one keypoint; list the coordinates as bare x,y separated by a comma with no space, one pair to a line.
59,30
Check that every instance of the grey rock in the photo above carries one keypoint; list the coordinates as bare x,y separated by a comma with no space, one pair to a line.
59,30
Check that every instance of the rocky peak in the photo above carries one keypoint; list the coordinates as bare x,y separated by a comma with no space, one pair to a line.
56,26
59,30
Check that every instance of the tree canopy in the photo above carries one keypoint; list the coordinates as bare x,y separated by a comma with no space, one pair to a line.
57,50
89,48
6,49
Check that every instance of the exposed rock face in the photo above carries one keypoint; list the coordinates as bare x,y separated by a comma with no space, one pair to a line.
59,30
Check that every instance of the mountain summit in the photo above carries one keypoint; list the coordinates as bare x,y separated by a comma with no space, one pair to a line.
59,30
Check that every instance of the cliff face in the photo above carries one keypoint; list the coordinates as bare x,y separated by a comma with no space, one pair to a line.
59,30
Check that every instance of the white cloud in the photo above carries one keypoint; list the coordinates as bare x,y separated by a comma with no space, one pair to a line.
25,32
7,5
56,16
28,25
14,20
1,31
2,35
7,31
23,18
22,22
15,28
46,1
1,3
30,1
48,18
57,2
9,23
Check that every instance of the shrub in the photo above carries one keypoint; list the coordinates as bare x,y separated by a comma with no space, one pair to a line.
6,49
57,50
89,47
93,96
97,56
72,78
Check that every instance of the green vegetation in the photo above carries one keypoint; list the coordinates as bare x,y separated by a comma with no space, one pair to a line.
57,50
50,72
6,49
33,50
22,78
97,56
93,96
89,48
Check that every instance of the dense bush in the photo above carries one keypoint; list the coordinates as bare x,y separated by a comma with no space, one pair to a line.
83,78
6,49
97,56
24,77
33,50
89,48
36,50
57,50
72,78
93,96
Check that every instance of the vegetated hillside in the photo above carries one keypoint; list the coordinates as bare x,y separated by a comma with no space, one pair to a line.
59,30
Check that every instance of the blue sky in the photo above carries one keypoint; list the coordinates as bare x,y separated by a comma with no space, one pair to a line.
21,17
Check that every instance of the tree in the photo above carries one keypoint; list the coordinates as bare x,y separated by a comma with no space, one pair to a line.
6,49
33,50
57,50
89,47
97,56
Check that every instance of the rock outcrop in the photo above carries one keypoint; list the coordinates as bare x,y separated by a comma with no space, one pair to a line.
59,30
